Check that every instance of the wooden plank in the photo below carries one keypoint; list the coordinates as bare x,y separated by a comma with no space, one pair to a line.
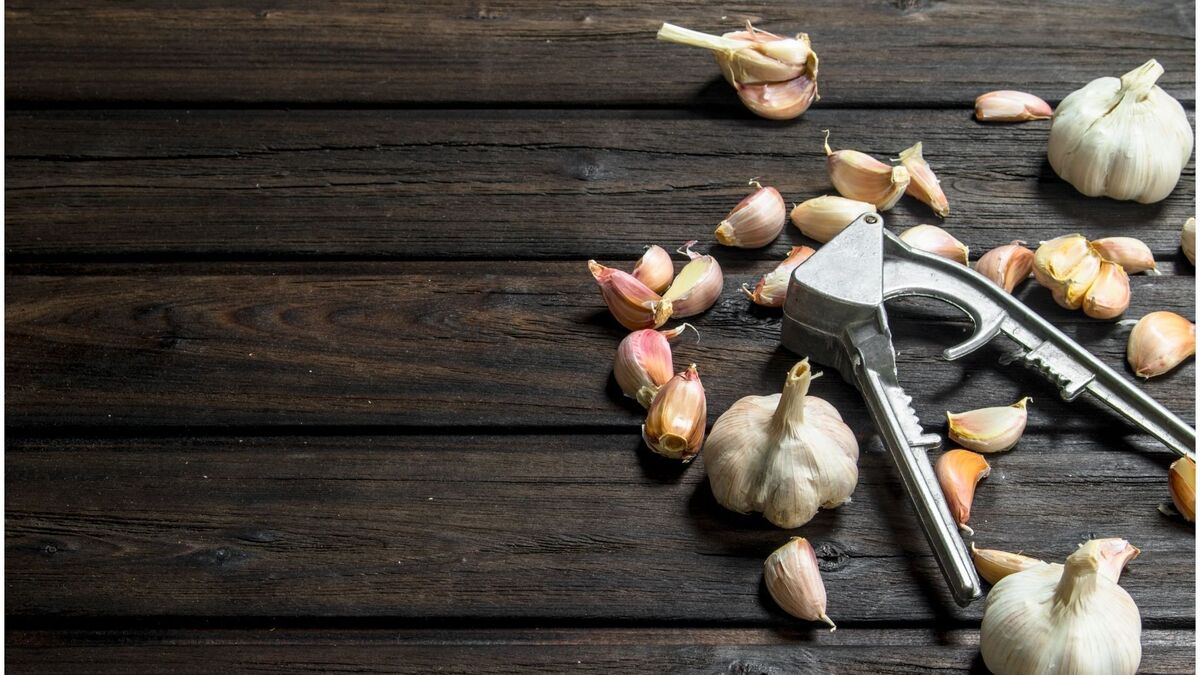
875,652
476,345
526,51
579,527
486,184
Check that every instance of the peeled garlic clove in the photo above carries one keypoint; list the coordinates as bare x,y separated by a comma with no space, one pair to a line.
924,185
857,175
1066,265
994,565
1187,240
794,581
958,471
1006,265
655,269
1108,296
697,286
676,419
785,455
643,362
1006,105
935,240
629,300
1129,253
1159,342
822,218
755,221
1182,481
994,429
772,288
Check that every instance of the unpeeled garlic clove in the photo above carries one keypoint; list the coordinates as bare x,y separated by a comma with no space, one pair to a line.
995,429
697,286
1108,296
677,416
655,269
958,471
1129,253
935,240
994,565
822,218
633,304
643,362
923,184
1181,479
780,100
1006,265
1011,106
857,175
1159,342
755,221
1187,240
794,581
1067,266
772,288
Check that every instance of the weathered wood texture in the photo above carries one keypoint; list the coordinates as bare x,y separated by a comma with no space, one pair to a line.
585,527
503,184
457,345
874,652
902,52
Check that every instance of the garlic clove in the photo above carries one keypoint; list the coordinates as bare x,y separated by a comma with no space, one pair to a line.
772,288
633,304
857,175
1006,265
643,362
677,416
1006,105
794,580
935,240
1129,253
1187,240
994,429
1181,479
655,269
1159,342
924,185
779,100
697,286
1108,296
958,471
822,218
994,565
1066,265
756,221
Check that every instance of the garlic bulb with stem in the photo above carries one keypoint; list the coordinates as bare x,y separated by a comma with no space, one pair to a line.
1158,342
785,455
1187,240
697,286
677,417
1071,619
822,218
958,472
857,175
772,288
995,429
923,184
994,565
633,304
935,240
643,362
1125,139
1007,105
1131,254
1108,296
1181,479
794,581
756,221
655,269
1006,265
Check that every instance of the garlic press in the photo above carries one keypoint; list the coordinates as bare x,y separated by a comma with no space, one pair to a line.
835,314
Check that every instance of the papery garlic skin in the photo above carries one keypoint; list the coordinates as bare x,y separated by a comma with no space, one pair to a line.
994,565
1187,240
1181,479
1125,139
697,286
655,269
677,417
823,218
924,185
794,581
772,288
1007,265
1131,254
643,362
755,222
785,455
1006,105
1066,265
1158,342
935,240
995,429
958,472
859,176
1108,296
633,304
1071,619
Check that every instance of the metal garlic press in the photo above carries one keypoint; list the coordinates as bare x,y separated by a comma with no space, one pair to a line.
834,313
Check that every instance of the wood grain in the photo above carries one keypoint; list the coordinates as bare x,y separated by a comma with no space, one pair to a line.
906,52
488,184
669,650
572,527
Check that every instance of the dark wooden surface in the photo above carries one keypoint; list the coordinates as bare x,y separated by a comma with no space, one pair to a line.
305,370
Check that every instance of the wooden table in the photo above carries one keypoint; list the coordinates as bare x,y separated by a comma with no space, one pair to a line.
306,371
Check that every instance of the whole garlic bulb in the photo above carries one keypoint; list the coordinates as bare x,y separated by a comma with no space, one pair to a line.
1122,138
1068,619
785,454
